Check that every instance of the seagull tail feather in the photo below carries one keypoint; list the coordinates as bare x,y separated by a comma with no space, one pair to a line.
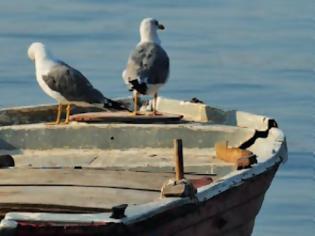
140,87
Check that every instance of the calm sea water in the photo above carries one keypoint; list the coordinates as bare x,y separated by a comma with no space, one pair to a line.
256,56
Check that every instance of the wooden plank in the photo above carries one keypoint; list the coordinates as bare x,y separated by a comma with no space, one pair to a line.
36,114
92,197
84,178
54,159
71,190
124,117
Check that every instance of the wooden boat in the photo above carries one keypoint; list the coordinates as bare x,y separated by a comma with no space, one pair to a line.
104,176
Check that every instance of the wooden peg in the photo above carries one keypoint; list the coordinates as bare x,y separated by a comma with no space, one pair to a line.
179,162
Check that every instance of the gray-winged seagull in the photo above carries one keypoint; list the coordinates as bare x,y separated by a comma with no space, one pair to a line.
64,83
148,65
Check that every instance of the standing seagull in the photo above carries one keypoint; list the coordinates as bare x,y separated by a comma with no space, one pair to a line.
64,83
148,65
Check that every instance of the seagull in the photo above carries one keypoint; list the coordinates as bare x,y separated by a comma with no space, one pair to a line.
148,65
64,83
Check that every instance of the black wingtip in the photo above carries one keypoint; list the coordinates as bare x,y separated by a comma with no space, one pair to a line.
110,104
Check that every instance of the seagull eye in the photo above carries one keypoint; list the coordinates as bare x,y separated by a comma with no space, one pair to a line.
156,23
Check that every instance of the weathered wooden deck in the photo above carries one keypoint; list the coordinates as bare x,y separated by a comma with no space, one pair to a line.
91,168
96,180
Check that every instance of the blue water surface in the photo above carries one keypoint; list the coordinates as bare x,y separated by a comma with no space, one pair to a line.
256,56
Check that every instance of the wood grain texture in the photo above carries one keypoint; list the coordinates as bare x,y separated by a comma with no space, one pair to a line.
68,189
99,178
71,196
124,117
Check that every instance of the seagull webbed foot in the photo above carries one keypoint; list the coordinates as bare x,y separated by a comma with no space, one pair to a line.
136,113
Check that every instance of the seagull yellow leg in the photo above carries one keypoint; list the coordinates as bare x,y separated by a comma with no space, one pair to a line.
155,112
68,114
135,103
58,114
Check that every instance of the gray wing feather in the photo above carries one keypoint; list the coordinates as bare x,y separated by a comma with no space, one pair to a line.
148,63
71,84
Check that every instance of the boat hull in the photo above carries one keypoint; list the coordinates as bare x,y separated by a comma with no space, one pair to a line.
231,212
226,206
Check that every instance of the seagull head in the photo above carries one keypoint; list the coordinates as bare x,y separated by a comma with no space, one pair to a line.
148,30
36,50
